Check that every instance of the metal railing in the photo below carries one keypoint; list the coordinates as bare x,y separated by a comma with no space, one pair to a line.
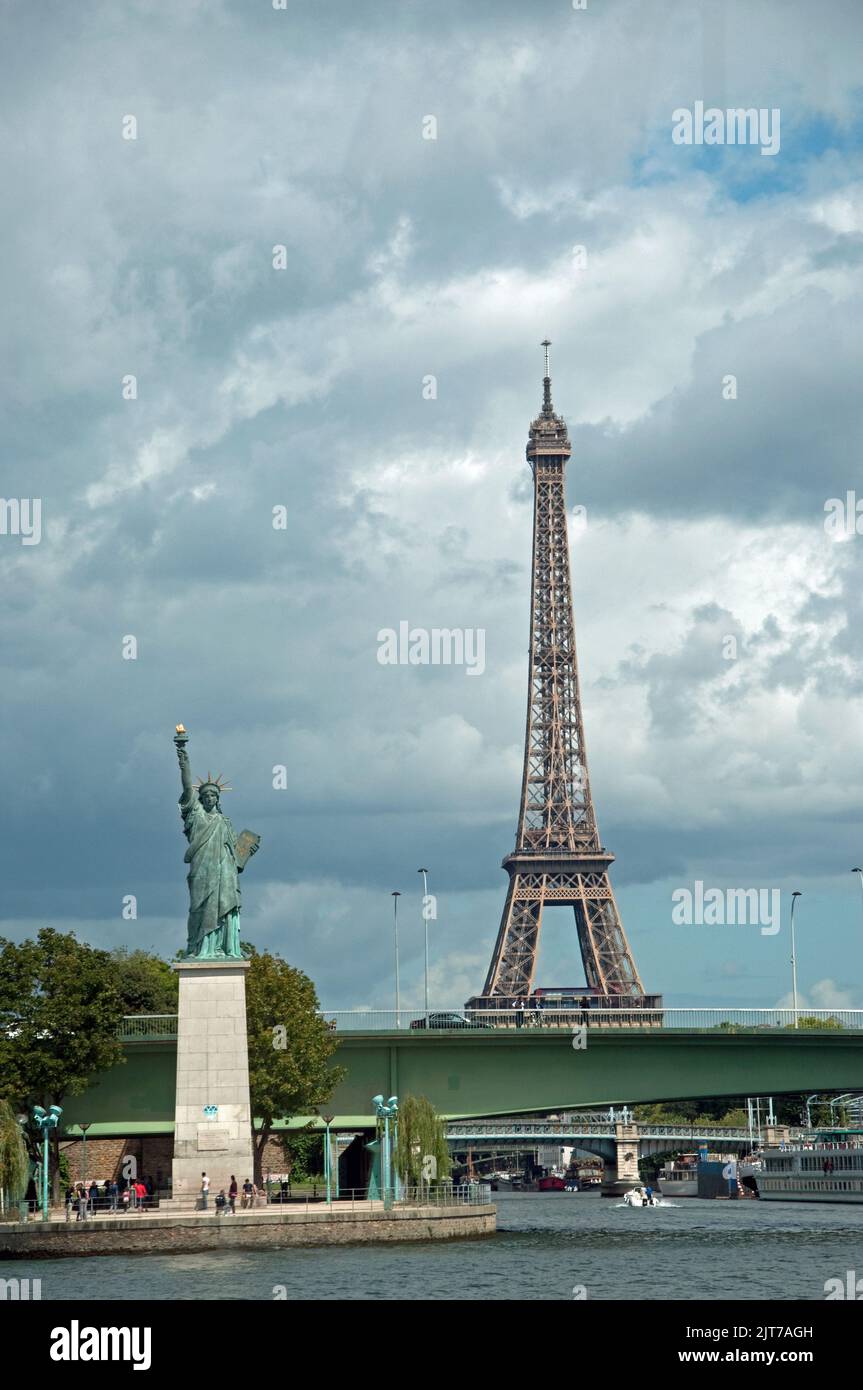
575,1128
437,1194
356,1199
148,1027
154,1027
727,1020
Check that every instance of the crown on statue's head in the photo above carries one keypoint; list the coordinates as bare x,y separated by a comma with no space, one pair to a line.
215,782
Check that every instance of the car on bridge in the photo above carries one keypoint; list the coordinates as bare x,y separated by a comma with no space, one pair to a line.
446,1020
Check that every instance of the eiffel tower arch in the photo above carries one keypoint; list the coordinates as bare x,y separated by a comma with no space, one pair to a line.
558,857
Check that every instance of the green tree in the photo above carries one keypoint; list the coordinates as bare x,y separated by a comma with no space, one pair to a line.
658,1114
831,1024
421,1151
736,1118
60,1012
14,1163
146,983
304,1154
290,1047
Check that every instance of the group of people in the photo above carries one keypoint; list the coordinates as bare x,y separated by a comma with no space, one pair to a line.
227,1203
114,1195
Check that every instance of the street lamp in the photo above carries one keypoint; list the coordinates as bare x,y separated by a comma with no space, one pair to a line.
328,1162
425,874
83,1128
46,1121
794,897
395,897
386,1112
860,872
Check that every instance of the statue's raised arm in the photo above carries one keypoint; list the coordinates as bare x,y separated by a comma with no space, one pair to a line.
181,738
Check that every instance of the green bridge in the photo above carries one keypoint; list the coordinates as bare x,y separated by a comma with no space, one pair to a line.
470,1073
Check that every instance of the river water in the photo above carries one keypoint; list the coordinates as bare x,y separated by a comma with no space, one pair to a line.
548,1246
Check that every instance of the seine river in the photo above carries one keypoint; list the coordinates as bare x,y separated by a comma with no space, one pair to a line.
548,1246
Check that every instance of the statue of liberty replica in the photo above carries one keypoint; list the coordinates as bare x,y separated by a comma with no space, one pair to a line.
216,857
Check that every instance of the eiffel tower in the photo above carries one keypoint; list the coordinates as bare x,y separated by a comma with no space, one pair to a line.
558,857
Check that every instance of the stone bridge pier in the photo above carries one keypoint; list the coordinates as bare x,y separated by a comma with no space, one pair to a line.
621,1172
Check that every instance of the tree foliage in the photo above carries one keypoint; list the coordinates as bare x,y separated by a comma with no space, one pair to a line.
146,983
14,1163
831,1024
304,1154
736,1118
421,1151
290,1047
60,1012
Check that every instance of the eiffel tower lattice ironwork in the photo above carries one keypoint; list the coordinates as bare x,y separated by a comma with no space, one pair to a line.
558,857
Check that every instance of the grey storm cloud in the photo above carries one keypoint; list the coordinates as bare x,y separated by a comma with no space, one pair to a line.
407,259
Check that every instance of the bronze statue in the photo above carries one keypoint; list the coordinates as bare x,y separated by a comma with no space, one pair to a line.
216,857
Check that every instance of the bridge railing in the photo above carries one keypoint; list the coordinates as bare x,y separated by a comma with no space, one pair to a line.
148,1027
728,1020
155,1027
480,1129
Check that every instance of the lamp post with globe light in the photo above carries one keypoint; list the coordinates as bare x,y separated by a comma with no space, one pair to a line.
386,1112
46,1121
328,1159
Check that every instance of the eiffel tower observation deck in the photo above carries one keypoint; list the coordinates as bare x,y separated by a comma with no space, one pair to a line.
558,856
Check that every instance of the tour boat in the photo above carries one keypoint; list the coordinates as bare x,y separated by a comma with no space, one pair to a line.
828,1168
680,1178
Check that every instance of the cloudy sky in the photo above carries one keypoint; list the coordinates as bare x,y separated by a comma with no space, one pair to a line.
553,201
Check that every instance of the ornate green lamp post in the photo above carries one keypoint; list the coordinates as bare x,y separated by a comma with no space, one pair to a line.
386,1112
328,1160
46,1120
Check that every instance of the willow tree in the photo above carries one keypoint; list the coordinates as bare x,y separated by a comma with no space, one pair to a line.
14,1163
421,1151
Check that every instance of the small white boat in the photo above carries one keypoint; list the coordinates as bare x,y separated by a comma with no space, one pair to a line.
637,1197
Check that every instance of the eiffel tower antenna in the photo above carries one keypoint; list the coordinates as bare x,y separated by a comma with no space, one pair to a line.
546,381
558,856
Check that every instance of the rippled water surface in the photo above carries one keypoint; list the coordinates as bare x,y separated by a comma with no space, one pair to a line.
546,1245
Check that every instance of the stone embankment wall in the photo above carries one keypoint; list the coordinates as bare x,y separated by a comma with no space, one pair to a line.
247,1230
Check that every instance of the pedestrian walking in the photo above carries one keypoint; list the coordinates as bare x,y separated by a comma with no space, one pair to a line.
205,1191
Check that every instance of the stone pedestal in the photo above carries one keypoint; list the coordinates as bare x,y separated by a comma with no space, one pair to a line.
212,1118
